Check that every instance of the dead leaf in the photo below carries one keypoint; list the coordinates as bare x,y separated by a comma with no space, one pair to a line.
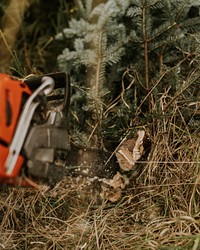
111,188
138,148
124,157
130,151
111,196
118,181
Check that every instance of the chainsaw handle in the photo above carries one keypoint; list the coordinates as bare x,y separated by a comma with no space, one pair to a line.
61,79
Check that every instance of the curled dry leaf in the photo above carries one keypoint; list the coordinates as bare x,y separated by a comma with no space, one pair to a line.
111,188
130,151
118,181
111,195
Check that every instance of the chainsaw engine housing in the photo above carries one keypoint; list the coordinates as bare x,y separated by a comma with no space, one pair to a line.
12,96
32,136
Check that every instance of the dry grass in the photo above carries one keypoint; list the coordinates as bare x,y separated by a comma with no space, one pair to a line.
158,210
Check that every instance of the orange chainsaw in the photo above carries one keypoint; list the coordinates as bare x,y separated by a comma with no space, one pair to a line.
33,134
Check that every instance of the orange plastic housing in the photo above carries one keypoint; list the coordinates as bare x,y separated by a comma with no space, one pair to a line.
3,155
11,101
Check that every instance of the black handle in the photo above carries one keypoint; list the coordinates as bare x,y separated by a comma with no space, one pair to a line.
61,79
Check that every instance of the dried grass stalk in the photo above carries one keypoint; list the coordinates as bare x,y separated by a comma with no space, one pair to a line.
11,23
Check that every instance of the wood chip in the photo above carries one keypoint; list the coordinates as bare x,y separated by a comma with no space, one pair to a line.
130,151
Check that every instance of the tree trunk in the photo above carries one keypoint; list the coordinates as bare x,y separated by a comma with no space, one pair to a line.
95,83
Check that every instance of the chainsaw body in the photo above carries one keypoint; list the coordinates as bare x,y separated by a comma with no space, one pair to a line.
33,135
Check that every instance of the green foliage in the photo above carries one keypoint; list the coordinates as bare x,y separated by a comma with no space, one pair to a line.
95,43
98,38
163,40
124,56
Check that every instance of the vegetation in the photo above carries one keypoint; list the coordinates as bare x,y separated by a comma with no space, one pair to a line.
134,64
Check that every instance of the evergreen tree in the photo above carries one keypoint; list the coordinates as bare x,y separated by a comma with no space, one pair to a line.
125,54
162,35
99,39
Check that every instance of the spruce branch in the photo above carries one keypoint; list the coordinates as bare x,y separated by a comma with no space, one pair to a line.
148,37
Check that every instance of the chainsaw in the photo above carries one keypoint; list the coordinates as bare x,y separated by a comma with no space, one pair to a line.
33,134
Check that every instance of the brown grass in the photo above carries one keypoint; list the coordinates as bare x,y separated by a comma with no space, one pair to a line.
158,210
11,23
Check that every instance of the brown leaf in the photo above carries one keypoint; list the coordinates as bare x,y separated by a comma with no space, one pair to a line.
138,148
124,157
111,188
112,196
118,181
130,151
